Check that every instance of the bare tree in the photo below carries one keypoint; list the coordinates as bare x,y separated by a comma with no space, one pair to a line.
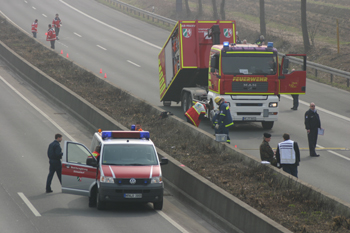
262,18
188,10
306,40
200,9
215,10
222,10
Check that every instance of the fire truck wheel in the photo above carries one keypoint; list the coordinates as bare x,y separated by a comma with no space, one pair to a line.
184,103
167,103
158,205
99,204
267,124
189,101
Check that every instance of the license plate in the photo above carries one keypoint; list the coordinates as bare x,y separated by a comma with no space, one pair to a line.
249,118
133,195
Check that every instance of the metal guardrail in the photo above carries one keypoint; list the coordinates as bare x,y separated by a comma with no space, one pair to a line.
169,22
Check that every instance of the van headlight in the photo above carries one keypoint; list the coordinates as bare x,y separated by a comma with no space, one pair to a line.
156,180
273,105
106,179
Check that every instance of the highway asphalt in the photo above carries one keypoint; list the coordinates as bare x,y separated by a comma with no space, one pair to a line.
98,37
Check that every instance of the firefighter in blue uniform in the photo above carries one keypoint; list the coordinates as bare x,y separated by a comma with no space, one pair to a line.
225,118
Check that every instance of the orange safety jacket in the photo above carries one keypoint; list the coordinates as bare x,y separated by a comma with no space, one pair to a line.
51,34
56,22
95,154
193,114
34,27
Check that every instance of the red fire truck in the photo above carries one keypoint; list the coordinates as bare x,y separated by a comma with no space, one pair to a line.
201,60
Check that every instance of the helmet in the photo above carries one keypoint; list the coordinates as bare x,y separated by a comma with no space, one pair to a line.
217,99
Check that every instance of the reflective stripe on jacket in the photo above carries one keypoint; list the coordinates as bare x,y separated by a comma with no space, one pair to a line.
34,27
225,118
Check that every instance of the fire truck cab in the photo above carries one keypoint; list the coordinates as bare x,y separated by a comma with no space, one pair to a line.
127,169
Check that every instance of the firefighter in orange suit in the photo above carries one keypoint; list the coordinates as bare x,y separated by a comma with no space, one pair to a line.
51,36
35,28
96,153
195,114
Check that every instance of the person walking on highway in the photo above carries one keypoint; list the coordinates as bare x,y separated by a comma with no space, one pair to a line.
266,152
54,152
35,28
312,124
195,114
57,24
51,36
225,118
295,102
288,155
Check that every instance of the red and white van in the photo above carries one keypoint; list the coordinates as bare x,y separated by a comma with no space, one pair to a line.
127,170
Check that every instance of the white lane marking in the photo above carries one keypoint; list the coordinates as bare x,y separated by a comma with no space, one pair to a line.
321,109
44,15
36,108
175,224
34,8
101,47
107,25
25,1
77,34
133,63
29,204
335,153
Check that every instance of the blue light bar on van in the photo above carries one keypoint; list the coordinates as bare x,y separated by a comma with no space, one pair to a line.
125,134
132,127
270,45
226,44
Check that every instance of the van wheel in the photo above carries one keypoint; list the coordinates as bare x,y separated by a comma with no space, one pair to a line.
92,197
267,124
100,204
158,205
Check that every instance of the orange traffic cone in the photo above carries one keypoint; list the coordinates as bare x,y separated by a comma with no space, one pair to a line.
67,55
105,75
61,51
100,71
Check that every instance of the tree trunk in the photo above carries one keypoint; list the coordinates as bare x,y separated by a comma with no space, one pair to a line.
215,10
304,26
188,11
262,18
222,10
200,9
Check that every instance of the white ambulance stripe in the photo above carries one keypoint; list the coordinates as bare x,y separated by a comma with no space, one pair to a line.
110,168
151,173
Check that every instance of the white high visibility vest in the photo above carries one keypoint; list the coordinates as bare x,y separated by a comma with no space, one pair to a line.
287,153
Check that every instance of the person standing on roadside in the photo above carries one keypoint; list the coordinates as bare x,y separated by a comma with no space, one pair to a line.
138,126
295,102
35,28
195,114
54,152
225,118
312,124
266,152
57,24
288,155
51,36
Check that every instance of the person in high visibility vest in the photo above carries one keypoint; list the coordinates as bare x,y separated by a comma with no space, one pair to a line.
138,126
96,153
51,36
195,114
288,155
56,22
225,118
35,28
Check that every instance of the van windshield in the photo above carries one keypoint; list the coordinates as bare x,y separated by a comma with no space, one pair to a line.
249,65
129,155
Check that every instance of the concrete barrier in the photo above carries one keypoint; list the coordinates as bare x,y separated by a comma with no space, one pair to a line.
213,202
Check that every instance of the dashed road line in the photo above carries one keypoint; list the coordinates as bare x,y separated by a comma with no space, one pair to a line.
77,34
133,63
101,47
44,15
29,204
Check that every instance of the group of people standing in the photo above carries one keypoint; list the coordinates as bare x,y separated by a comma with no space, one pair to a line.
287,154
53,31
